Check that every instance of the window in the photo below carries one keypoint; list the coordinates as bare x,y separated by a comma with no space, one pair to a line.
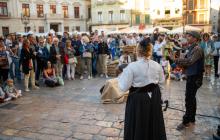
26,10
122,14
40,10
147,19
100,16
66,29
78,28
110,15
167,12
76,12
3,9
177,11
202,18
53,9
202,4
89,12
65,11
190,19
41,29
5,31
191,5
138,19
27,29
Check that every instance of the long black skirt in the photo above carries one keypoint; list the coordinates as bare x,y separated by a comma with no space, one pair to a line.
143,115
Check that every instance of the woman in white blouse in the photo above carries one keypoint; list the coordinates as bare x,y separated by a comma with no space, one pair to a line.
143,114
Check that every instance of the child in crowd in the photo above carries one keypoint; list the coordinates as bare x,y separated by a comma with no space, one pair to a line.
125,58
11,91
165,66
177,74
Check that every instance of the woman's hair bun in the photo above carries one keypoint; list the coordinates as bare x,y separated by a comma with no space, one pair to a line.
145,42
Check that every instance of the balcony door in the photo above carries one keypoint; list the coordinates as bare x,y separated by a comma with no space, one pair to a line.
55,27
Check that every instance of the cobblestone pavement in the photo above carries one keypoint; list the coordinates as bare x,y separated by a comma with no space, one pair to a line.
74,112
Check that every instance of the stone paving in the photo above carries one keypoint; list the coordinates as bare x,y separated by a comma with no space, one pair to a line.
74,112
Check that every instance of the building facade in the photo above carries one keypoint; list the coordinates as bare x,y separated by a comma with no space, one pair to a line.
167,13
215,9
117,14
197,13
43,15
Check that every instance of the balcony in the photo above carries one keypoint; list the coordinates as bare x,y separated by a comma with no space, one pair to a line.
5,16
121,22
54,16
40,15
110,2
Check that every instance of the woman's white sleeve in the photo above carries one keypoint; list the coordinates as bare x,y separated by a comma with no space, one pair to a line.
125,79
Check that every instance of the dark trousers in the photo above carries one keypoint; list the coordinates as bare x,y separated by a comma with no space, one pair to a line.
4,74
216,59
40,67
193,83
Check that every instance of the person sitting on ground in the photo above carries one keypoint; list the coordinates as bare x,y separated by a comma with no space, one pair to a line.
125,58
11,91
177,74
110,92
50,78
2,95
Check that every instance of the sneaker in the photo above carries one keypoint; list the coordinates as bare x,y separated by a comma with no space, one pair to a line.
36,87
89,77
182,126
7,99
27,90
106,76
81,77
101,75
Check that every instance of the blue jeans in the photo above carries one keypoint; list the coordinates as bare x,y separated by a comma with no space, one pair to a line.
94,64
113,52
15,69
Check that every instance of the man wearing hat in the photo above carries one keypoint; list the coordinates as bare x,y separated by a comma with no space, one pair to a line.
194,66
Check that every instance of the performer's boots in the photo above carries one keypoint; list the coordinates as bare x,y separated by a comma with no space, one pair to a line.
217,136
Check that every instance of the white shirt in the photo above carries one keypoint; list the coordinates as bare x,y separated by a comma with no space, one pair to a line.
217,49
123,61
131,42
140,73
158,48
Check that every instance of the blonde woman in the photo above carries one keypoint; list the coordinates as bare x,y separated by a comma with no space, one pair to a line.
86,49
69,51
143,114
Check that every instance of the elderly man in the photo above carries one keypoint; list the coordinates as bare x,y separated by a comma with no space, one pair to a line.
194,65
57,56
42,57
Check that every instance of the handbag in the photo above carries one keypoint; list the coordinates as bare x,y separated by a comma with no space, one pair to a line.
75,60
71,61
66,59
87,55
3,62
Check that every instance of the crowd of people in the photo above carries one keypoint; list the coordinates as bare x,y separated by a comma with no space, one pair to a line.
54,58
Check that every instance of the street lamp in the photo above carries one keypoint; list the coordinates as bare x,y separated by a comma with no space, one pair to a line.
25,20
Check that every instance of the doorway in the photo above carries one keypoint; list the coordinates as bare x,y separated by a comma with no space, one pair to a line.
55,27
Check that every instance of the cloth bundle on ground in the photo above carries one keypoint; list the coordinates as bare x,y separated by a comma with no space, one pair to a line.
110,93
